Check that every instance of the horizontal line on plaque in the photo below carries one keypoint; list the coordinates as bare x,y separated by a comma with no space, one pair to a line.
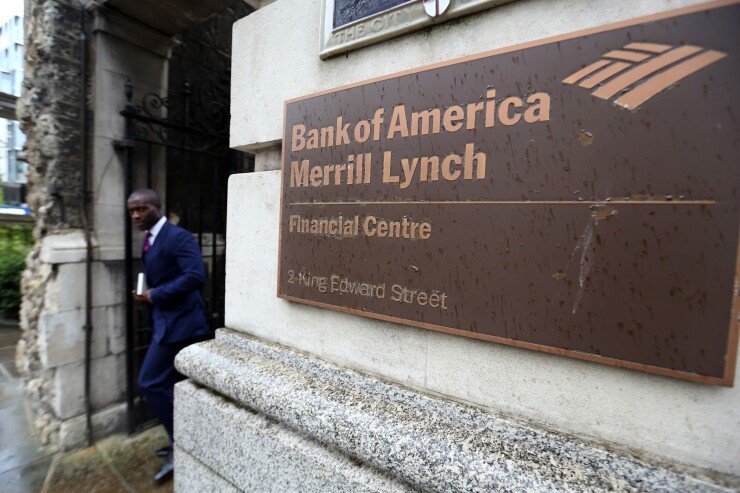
522,202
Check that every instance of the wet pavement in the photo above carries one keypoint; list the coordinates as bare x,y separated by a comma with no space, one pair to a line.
119,463
23,463
115,464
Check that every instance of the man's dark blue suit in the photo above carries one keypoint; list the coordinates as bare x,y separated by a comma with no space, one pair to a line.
174,271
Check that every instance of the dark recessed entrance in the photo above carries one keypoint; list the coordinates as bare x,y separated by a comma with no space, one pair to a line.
178,145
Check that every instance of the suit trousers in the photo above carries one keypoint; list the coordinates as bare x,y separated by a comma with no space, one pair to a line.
157,379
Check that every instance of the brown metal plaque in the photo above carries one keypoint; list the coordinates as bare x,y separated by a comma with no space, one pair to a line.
577,195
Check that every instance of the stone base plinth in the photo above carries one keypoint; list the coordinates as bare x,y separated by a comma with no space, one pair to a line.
257,416
221,444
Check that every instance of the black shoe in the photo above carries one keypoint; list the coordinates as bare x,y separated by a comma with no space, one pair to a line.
166,470
163,452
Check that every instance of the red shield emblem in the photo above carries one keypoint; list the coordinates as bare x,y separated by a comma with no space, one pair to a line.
434,8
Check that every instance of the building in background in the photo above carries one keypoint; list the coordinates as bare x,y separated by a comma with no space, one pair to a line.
12,169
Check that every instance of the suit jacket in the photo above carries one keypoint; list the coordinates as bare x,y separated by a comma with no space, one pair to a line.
174,270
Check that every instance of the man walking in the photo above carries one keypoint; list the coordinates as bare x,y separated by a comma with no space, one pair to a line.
173,267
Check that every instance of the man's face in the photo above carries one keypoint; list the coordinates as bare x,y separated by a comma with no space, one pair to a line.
143,212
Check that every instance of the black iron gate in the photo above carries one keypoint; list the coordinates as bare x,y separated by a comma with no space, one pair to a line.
178,146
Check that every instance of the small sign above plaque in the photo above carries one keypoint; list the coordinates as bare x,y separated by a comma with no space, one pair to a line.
350,24
577,195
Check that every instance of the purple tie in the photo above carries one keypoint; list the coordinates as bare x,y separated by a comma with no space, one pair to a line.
147,246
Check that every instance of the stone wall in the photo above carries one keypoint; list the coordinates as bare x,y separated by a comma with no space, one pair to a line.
254,375
307,399
49,111
683,421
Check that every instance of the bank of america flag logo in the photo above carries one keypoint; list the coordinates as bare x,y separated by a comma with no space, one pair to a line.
630,76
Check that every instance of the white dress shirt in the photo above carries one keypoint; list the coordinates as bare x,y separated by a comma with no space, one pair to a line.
156,229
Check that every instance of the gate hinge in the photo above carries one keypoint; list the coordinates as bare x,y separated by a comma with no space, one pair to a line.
123,144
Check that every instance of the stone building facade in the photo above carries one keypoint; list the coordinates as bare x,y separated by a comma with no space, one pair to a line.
79,57
292,397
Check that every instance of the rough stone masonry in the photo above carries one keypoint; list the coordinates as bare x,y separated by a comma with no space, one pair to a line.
49,111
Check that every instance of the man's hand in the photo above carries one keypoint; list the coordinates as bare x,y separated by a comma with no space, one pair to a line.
144,298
